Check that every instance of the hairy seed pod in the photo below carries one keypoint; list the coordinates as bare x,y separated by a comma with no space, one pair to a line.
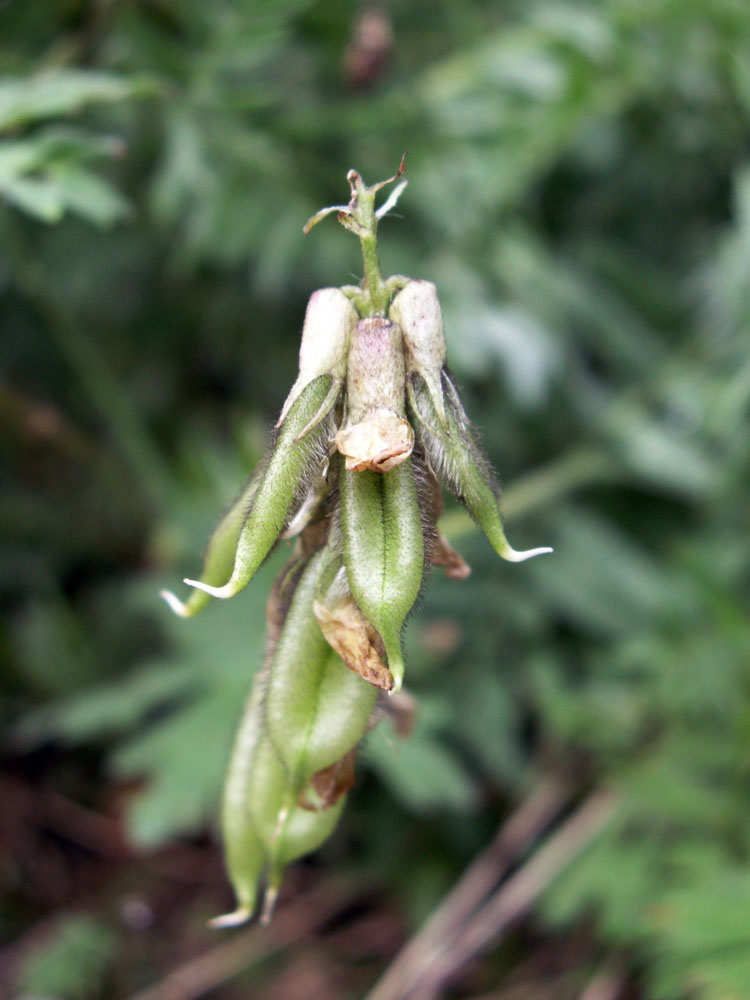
264,828
286,830
316,709
300,447
300,832
218,561
416,309
457,457
245,854
383,551
376,435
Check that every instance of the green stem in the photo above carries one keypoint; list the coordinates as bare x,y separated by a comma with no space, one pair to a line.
375,288
373,295
366,227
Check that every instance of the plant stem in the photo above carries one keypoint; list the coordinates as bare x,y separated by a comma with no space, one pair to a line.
366,227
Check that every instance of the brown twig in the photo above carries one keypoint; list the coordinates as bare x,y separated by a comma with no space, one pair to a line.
516,897
515,834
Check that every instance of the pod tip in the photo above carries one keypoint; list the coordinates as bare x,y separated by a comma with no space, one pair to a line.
513,556
269,905
175,604
228,590
234,919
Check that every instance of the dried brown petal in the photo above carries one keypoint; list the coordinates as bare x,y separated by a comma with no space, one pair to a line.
330,784
355,640
400,708
379,443
443,554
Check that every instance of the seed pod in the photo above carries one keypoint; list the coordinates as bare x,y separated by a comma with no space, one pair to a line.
293,460
457,457
383,551
416,309
326,334
316,709
263,826
284,829
376,435
218,561
287,830
300,831
245,854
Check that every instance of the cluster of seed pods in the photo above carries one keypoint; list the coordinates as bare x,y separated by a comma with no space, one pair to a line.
372,427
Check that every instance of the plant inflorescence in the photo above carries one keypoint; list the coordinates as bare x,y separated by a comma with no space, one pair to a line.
372,427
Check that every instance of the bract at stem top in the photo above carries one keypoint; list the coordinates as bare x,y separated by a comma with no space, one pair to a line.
361,218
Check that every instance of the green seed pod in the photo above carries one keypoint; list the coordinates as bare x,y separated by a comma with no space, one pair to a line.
300,448
220,552
245,854
376,435
316,709
286,830
383,551
301,832
416,309
326,334
264,828
457,457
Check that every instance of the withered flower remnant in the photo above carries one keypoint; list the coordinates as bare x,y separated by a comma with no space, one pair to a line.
371,426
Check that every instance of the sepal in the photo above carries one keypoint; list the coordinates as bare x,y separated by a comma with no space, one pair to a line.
326,334
417,311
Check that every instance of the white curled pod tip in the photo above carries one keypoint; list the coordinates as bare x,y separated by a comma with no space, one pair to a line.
512,555
234,919
326,334
416,309
175,604
270,898
228,590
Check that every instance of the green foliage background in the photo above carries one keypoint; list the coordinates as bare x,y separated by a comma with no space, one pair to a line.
580,192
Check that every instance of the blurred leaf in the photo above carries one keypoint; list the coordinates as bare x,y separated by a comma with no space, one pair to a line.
57,92
71,963
705,938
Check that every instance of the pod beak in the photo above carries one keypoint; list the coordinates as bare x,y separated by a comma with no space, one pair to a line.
234,919
228,590
175,604
512,555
